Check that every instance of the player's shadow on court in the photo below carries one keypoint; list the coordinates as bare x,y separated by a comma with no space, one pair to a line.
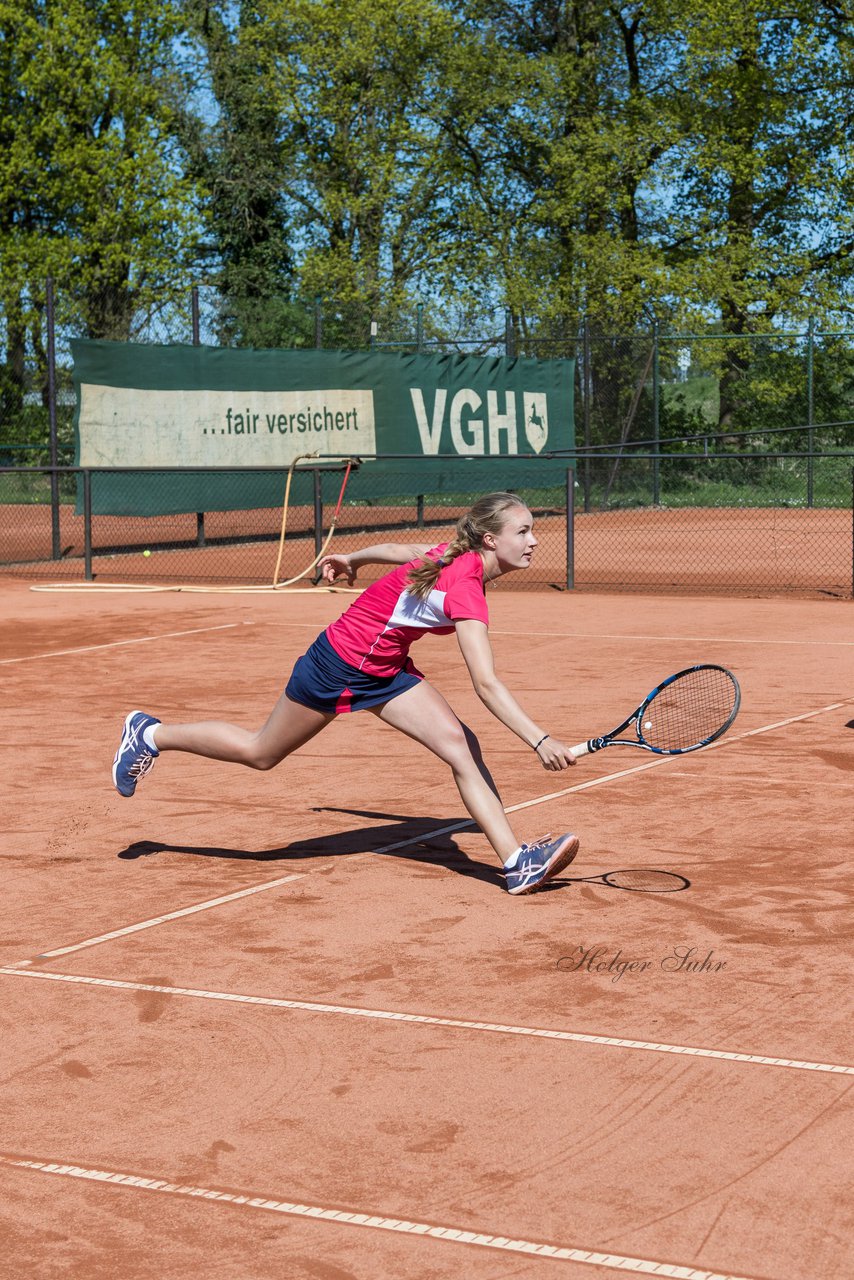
395,829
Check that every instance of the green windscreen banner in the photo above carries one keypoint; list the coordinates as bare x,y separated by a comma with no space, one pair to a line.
142,406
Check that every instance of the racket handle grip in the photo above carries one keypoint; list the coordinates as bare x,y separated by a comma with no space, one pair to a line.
581,750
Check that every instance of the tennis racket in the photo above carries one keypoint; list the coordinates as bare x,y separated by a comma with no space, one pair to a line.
683,713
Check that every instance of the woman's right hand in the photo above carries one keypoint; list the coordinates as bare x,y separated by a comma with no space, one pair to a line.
555,755
337,566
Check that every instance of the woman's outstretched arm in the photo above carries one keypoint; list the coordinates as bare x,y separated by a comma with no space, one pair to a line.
473,639
347,566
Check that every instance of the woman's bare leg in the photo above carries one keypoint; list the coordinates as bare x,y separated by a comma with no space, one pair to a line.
289,726
423,714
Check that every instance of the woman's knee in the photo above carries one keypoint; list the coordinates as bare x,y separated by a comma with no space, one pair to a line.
460,748
258,755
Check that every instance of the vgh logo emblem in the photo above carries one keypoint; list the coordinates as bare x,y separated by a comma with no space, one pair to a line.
536,411
476,428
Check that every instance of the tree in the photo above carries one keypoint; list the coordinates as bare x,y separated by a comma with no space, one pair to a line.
321,156
90,189
230,131
356,88
760,221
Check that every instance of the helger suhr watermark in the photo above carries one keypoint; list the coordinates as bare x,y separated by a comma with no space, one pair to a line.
608,963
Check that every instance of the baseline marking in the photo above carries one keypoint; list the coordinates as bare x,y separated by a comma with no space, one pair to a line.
438,831
114,644
567,1253
172,915
423,1019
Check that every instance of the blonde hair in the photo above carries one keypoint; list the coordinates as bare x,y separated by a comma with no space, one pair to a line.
486,516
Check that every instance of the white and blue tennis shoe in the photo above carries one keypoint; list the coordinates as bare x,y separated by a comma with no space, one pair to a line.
533,864
134,757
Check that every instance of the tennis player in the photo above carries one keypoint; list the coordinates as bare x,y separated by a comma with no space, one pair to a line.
361,662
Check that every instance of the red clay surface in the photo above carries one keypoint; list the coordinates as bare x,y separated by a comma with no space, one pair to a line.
709,1164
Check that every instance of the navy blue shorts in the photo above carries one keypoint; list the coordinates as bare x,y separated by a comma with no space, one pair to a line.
324,681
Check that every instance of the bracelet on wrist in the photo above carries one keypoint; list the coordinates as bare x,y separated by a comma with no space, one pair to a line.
541,741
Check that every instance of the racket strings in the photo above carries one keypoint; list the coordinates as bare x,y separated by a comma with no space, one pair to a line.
695,708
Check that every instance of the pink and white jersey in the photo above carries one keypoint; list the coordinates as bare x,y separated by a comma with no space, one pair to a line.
375,633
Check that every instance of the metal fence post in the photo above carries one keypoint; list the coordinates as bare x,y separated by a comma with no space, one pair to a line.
656,416
318,322
194,312
87,524
56,549
318,517
509,335
586,397
197,342
570,528
419,327
810,410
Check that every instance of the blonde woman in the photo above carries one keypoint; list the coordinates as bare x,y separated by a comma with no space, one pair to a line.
361,662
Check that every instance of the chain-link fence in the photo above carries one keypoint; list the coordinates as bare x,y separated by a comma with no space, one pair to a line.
651,388
727,523
645,405
250,545
724,523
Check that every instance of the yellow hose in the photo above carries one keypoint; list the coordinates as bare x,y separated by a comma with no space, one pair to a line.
303,457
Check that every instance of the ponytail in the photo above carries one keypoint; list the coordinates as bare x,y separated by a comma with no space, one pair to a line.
486,516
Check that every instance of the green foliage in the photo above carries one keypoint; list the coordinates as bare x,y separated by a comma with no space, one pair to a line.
89,189
679,162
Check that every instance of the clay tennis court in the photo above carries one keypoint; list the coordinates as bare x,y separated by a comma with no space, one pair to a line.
289,1024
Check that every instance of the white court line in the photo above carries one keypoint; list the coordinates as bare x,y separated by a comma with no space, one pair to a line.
114,644
438,831
600,635
454,1235
423,1019
172,915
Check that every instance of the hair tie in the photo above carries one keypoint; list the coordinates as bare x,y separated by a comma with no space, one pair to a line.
441,563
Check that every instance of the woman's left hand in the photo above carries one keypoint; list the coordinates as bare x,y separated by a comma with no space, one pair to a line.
337,566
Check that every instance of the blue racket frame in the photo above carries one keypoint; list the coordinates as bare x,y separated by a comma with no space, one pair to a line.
637,718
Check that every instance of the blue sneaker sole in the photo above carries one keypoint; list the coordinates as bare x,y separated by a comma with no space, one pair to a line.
557,863
117,757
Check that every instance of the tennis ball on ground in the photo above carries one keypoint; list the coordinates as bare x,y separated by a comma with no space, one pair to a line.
648,724
146,553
